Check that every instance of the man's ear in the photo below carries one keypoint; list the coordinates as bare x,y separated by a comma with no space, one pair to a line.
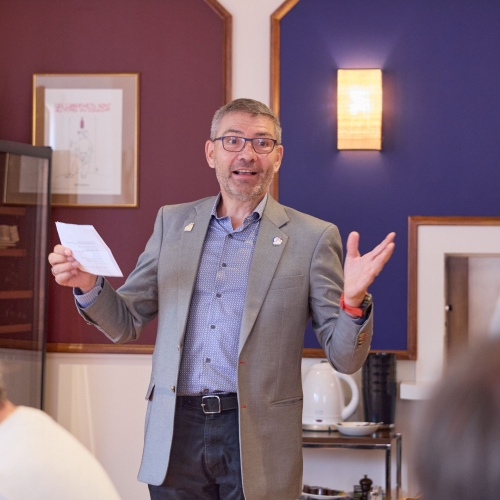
209,153
279,157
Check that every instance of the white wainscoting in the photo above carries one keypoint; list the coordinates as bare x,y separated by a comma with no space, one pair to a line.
99,398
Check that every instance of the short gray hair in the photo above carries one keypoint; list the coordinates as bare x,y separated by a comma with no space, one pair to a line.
250,106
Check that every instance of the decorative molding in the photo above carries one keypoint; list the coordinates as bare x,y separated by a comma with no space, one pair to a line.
227,48
310,352
144,349
100,348
276,18
413,225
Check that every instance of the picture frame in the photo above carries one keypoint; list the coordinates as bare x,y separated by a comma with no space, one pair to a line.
430,241
91,122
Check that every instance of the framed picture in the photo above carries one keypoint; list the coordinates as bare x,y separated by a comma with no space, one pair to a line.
440,290
91,123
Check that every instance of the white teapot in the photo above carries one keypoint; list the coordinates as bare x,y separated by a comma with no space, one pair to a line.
324,398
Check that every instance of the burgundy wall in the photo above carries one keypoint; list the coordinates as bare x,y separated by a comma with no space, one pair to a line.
176,46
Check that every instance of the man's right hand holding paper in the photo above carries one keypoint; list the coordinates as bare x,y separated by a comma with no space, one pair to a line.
66,272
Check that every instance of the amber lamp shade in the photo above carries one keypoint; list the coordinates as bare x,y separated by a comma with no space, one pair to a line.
359,109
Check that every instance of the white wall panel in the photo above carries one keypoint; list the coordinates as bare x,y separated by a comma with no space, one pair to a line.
99,398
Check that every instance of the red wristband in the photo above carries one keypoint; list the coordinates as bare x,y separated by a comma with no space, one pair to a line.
355,311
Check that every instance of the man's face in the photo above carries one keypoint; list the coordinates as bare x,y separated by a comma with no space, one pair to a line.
244,175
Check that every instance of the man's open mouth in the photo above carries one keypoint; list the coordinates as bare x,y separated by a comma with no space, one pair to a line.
244,172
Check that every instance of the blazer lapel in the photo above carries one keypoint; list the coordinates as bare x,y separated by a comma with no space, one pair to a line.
265,260
191,246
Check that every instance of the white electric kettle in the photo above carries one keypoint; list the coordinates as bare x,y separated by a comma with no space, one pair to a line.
324,398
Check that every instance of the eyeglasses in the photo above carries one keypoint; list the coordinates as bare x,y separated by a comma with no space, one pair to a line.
261,145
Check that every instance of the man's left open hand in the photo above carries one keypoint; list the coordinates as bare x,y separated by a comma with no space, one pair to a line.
361,270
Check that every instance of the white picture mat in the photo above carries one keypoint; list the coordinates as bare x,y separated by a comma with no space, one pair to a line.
84,128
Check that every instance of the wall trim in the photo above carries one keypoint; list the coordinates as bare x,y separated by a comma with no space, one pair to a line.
227,49
100,348
276,18
148,349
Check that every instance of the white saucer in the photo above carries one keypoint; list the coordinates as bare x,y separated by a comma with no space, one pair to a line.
323,497
357,428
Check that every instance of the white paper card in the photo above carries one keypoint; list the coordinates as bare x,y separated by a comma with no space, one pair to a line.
89,249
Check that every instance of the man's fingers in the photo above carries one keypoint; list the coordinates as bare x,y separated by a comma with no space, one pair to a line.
381,247
63,250
60,254
56,258
64,267
386,252
352,244
64,277
381,259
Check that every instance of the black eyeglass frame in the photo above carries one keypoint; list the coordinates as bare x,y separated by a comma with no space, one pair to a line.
246,139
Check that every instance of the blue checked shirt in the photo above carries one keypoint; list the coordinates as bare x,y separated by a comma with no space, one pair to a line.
210,354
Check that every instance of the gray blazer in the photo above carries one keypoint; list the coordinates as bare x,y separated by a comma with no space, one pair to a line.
287,284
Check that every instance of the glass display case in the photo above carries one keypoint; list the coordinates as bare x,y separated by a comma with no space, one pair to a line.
24,218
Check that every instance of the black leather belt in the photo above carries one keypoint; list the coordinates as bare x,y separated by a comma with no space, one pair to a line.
215,403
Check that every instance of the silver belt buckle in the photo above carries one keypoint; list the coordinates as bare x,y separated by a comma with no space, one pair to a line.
203,405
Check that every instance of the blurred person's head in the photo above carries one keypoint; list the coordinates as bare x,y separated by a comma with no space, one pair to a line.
3,392
458,442
6,407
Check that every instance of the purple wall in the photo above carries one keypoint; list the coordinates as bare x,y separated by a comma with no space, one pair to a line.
441,146
176,45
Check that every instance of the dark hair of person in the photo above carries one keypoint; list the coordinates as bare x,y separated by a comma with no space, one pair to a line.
457,451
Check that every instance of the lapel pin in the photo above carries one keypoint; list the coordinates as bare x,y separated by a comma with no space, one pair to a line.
189,227
277,241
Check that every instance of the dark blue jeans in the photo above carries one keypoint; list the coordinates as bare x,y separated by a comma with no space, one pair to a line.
205,458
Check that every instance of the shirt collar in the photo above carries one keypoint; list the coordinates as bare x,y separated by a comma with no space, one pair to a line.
258,210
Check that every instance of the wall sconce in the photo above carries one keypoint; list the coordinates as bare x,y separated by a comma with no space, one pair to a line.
359,109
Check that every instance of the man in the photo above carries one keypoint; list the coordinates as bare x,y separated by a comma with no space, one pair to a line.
234,280
41,460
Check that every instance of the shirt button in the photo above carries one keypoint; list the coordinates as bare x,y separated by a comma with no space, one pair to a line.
208,360
205,391
212,327
218,295
172,388
229,235
224,264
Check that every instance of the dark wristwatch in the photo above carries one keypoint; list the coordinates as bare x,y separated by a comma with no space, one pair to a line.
357,311
367,302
